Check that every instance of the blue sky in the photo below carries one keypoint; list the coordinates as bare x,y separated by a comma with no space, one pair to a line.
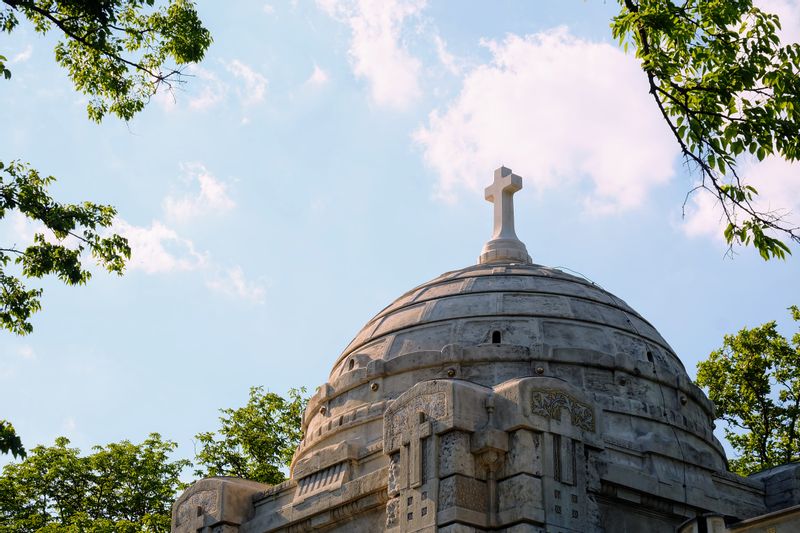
326,157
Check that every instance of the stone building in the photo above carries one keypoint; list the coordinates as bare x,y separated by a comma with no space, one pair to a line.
505,396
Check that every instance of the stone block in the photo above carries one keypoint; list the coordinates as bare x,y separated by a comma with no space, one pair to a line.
215,501
462,499
461,491
454,455
519,498
524,453
489,440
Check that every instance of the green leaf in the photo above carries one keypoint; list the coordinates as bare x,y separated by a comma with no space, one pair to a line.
751,379
707,64
254,441
24,190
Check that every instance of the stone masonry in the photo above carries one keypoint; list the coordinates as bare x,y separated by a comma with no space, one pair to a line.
510,397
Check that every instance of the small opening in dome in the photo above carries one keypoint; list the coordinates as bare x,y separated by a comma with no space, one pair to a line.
351,364
496,339
649,356
421,417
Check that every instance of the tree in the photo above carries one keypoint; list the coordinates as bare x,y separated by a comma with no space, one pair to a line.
9,440
255,441
754,382
115,52
122,487
22,189
726,87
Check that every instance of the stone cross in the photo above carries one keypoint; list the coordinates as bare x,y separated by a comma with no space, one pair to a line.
411,454
504,245
501,193
418,485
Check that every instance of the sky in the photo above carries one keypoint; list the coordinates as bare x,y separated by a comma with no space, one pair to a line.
325,157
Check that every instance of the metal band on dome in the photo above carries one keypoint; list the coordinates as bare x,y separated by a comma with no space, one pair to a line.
504,246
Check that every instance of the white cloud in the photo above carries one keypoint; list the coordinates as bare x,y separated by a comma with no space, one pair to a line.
165,98
232,282
447,59
159,249
23,56
255,85
378,50
212,89
556,109
23,229
211,198
26,352
703,216
778,184
269,9
318,77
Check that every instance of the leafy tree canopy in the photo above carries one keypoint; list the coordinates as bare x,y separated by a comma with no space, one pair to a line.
727,88
754,382
255,441
9,440
118,53
122,487
67,230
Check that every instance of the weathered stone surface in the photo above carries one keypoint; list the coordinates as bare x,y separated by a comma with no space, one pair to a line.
215,502
461,491
454,455
520,498
506,397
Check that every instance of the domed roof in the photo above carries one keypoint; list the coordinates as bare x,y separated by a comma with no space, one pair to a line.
505,319
519,301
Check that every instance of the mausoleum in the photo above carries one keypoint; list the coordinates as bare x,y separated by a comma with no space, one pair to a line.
505,396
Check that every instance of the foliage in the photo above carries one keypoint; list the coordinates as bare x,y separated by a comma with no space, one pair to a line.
754,382
3,70
116,50
9,440
24,190
122,487
726,88
255,441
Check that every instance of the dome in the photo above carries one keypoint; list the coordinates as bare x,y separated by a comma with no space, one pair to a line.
502,320
505,396
506,303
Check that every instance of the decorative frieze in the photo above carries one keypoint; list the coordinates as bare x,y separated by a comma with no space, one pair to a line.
549,403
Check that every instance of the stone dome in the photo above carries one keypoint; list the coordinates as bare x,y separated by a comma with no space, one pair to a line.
501,320
505,396
511,302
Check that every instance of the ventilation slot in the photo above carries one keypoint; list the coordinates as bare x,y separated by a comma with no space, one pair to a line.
496,339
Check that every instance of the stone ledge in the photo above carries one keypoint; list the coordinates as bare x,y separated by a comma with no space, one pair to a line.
216,501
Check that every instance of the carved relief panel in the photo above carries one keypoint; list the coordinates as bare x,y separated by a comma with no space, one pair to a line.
413,479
